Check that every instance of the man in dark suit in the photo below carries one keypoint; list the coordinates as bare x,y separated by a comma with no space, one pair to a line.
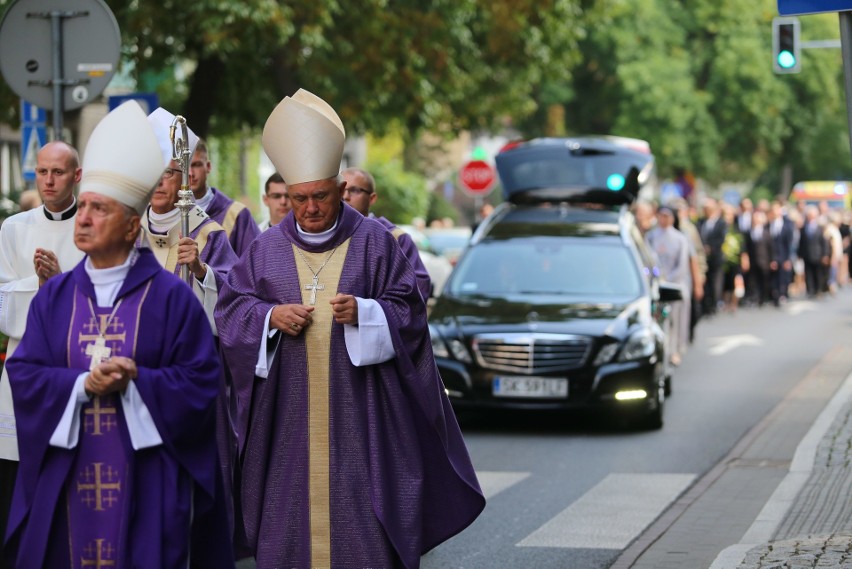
761,255
783,237
712,228
814,251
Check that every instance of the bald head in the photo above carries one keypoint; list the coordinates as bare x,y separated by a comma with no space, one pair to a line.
57,172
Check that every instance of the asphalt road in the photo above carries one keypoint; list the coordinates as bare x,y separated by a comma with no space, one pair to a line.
573,492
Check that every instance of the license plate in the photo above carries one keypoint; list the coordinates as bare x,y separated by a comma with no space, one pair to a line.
523,386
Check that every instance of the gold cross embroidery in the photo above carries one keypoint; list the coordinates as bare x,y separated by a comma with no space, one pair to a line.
117,326
95,412
94,552
103,486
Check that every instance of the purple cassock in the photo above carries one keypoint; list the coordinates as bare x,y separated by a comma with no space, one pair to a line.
101,503
400,480
235,218
409,249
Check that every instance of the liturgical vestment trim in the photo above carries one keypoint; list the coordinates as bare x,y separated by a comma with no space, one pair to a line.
317,344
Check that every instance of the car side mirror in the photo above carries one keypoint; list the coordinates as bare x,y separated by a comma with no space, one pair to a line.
670,292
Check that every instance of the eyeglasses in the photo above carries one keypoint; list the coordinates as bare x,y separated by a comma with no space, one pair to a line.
169,172
356,191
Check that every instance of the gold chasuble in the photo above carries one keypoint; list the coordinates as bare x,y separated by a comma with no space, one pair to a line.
317,346
230,219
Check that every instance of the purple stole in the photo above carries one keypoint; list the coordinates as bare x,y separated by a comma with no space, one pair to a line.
97,491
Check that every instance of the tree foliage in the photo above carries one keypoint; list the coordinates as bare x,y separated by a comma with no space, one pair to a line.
440,64
402,195
693,78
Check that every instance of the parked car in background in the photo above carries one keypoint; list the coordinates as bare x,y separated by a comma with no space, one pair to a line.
438,267
556,303
448,242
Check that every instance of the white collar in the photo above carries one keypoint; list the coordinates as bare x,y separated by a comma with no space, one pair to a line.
316,238
204,202
61,215
162,222
108,281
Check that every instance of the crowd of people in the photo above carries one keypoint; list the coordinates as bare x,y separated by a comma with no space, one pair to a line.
726,256
184,388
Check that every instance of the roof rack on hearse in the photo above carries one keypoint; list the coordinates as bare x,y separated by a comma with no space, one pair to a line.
607,170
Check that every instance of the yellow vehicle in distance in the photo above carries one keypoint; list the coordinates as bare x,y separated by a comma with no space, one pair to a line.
837,194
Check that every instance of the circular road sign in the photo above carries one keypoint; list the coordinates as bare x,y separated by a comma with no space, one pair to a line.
477,177
91,45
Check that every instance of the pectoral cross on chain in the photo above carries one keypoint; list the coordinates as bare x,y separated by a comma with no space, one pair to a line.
314,287
98,351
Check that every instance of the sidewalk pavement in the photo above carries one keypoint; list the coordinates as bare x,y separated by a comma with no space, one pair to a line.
807,522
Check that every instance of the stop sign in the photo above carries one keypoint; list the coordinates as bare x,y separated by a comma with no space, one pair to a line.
477,177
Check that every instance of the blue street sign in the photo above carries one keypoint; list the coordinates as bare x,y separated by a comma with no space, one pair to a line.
801,7
33,137
148,101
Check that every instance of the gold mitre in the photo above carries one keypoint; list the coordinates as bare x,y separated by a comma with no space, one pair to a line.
122,159
303,138
161,121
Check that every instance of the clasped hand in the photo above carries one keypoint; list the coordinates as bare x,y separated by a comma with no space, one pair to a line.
292,319
46,265
110,376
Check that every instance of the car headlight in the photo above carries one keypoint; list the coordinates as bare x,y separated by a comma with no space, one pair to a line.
453,347
460,352
439,348
640,344
605,354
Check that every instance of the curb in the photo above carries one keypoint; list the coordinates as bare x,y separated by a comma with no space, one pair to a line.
779,504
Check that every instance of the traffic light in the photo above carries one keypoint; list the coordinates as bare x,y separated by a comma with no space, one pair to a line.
786,50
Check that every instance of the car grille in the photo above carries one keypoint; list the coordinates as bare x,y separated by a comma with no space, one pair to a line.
531,353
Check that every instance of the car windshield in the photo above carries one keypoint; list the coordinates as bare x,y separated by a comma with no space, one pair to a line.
441,241
541,265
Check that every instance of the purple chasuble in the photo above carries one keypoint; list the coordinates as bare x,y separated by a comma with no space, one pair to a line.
400,477
409,249
96,492
237,221
171,495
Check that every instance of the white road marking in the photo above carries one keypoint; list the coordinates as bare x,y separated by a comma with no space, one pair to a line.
796,308
612,514
492,483
724,344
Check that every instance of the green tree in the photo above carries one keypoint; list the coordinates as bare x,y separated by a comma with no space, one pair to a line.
429,65
402,195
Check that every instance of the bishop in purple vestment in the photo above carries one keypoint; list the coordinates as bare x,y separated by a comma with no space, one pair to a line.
351,454
114,385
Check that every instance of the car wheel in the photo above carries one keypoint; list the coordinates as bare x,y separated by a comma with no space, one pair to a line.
668,386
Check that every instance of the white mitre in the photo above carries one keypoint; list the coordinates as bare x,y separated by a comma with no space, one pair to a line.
122,159
161,121
303,138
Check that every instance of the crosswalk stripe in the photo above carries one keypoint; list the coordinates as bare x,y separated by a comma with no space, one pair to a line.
612,514
492,483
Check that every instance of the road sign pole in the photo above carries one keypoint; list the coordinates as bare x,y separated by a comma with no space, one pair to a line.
56,42
845,46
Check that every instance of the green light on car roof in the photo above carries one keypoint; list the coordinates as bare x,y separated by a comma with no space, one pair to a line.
615,182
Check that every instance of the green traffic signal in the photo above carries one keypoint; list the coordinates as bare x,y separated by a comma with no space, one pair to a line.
786,60
785,45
